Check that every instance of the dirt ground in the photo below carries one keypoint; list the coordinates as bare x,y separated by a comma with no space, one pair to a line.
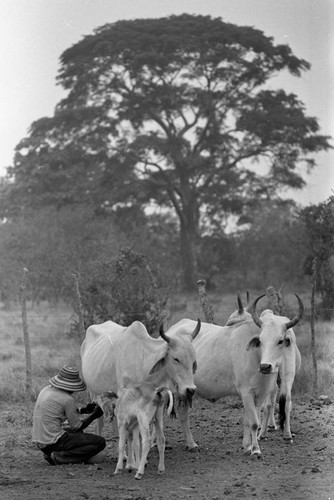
303,469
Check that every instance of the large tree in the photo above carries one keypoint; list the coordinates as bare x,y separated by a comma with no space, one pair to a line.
174,111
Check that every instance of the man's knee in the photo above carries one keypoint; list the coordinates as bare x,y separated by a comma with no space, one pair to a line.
101,443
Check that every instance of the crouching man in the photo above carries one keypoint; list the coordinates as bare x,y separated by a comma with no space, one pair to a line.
55,404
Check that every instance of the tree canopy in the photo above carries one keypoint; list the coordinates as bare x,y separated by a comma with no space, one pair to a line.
174,111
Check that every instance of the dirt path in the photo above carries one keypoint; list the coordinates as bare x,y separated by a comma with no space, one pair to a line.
303,469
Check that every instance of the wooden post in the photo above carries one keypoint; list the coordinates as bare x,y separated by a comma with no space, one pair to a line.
207,308
275,300
312,320
79,305
26,338
154,285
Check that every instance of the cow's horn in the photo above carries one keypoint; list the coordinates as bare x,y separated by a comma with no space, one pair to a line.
240,305
253,312
163,335
197,329
297,318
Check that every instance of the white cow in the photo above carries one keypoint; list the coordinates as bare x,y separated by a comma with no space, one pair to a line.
136,408
279,353
114,356
226,365
241,314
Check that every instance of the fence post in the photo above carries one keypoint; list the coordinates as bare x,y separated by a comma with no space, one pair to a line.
275,300
26,338
207,308
79,305
312,321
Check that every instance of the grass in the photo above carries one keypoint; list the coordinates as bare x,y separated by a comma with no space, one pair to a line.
52,347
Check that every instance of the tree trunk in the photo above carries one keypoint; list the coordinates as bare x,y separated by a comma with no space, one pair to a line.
188,256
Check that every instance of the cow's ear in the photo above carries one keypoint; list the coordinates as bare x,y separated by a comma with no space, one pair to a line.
158,365
287,342
253,343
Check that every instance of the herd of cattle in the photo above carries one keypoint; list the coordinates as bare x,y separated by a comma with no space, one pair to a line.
251,356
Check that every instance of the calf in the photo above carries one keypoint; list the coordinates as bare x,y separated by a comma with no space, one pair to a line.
136,408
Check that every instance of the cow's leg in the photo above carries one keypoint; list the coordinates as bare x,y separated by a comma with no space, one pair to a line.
246,440
134,452
160,439
144,430
266,408
268,416
183,413
271,420
285,411
252,423
285,404
99,424
153,438
121,448
114,427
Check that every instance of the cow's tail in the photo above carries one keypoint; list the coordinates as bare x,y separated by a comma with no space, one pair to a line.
282,415
168,394
170,408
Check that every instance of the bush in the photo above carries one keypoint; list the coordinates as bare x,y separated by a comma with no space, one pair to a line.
123,290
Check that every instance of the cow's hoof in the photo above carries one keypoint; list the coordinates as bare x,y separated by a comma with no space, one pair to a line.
194,449
256,456
160,472
272,428
138,476
288,440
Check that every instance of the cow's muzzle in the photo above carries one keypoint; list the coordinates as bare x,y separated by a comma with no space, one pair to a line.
187,398
265,368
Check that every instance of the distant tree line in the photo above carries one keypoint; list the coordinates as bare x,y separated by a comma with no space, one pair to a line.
277,247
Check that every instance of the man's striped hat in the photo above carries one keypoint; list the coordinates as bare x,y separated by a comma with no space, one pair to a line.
68,379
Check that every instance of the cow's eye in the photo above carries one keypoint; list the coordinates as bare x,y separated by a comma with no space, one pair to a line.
194,367
177,360
280,342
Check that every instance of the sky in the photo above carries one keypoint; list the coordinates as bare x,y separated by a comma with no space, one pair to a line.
34,33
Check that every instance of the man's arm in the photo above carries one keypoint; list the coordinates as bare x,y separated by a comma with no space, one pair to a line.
98,412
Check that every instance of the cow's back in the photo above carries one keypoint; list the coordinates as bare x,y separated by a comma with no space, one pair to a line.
99,352
137,355
114,355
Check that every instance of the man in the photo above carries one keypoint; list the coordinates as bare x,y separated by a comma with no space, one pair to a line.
55,404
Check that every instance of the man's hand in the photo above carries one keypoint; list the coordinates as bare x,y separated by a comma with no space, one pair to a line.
88,408
98,412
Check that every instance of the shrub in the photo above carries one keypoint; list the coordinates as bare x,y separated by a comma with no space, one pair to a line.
123,290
